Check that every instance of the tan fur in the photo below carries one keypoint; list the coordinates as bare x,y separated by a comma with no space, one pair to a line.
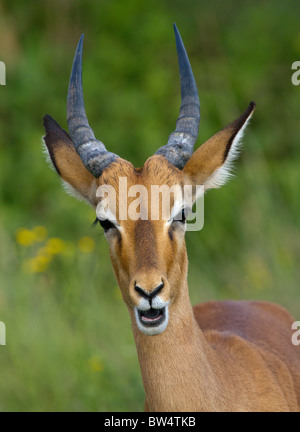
67,162
207,158
218,356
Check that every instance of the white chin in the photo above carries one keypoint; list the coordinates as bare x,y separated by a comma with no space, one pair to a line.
152,329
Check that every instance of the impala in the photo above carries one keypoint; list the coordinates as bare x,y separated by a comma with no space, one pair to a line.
216,356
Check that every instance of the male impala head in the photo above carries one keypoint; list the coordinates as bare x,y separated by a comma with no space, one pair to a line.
148,256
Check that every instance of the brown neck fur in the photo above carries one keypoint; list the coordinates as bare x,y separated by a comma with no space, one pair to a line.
167,359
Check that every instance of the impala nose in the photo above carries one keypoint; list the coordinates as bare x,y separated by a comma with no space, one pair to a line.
149,295
149,289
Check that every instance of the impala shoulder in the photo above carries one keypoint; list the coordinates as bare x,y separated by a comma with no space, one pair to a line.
273,309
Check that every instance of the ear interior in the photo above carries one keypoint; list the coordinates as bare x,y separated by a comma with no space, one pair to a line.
67,162
211,164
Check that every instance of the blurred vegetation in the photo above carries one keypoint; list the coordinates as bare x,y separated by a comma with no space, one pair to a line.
69,343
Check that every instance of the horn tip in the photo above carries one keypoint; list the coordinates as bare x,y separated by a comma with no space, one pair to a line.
80,44
81,40
177,34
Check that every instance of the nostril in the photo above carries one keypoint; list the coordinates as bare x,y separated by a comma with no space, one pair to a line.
157,290
147,295
141,291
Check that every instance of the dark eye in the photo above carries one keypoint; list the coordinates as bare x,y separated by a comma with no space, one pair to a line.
181,217
106,224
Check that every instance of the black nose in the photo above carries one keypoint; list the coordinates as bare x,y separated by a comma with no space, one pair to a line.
150,295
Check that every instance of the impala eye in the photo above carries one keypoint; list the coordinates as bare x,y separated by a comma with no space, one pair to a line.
181,216
105,223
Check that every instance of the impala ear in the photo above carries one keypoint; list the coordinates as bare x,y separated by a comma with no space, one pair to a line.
78,180
210,165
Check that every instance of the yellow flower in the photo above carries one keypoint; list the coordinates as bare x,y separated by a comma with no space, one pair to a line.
25,237
40,233
86,244
36,265
55,246
44,251
95,363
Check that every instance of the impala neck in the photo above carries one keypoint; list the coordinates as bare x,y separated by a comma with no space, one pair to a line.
176,364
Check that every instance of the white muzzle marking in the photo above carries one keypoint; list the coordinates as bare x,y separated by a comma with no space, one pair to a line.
156,325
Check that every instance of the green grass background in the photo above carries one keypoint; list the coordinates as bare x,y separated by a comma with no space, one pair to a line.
69,342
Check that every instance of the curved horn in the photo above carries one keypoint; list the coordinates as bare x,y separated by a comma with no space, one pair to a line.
92,152
181,142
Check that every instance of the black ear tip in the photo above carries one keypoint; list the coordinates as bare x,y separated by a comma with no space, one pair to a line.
49,121
46,120
250,109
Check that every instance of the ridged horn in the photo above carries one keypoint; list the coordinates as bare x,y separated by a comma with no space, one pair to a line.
92,152
181,142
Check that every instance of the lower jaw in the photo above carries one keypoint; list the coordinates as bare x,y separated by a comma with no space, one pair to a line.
152,329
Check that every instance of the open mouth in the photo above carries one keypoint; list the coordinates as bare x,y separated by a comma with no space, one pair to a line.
152,321
152,317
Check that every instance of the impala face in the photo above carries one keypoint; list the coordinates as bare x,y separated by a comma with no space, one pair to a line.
148,253
148,256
